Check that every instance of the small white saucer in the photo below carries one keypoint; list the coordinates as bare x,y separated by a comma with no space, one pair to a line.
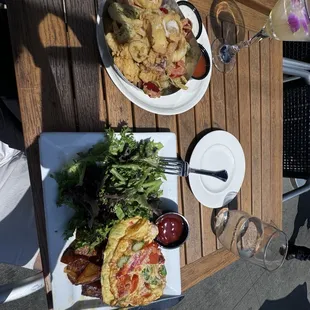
217,150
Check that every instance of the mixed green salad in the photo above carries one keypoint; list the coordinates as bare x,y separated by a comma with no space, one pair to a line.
116,179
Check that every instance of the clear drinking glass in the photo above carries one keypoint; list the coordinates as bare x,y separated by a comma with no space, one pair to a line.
288,21
249,238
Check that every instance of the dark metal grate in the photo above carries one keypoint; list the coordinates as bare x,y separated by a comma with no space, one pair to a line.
296,118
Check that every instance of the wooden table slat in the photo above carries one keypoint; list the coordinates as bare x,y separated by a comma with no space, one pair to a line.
186,135
245,126
119,107
217,90
263,6
205,267
143,120
265,126
255,128
276,132
231,89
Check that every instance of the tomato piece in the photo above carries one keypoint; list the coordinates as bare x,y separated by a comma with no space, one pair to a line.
178,70
164,10
153,253
151,90
134,283
151,86
154,258
123,285
123,271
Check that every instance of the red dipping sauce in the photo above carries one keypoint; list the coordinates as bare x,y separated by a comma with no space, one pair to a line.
170,229
201,67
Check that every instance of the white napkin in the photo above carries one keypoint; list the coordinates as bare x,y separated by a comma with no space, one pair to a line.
18,236
6,153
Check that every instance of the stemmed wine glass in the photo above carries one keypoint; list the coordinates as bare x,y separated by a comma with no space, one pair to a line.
288,21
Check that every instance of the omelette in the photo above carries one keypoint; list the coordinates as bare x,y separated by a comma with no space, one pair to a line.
133,271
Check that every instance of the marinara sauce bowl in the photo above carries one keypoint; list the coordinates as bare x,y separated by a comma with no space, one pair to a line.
173,230
203,66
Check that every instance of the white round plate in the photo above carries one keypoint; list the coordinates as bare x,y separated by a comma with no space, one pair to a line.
217,150
173,104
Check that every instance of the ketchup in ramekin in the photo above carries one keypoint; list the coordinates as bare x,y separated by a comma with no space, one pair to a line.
173,230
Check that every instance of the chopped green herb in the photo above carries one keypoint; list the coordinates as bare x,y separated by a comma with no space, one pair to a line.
162,271
146,273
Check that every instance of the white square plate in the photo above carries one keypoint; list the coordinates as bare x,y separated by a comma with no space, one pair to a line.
57,149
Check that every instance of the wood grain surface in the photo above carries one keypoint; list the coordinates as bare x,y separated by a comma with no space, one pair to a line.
86,68
191,207
63,87
205,267
273,213
244,93
203,122
256,128
234,12
263,6
265,127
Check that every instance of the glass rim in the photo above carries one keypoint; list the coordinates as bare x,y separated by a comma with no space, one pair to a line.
307,7
277,230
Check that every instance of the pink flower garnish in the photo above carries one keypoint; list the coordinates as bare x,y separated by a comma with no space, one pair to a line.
293,22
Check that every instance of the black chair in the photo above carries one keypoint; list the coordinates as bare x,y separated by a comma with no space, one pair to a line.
296,125
296,118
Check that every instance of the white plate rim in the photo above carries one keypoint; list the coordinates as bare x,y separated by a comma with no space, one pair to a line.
216,199
137,96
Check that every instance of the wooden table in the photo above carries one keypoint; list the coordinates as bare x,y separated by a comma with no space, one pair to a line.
63,87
